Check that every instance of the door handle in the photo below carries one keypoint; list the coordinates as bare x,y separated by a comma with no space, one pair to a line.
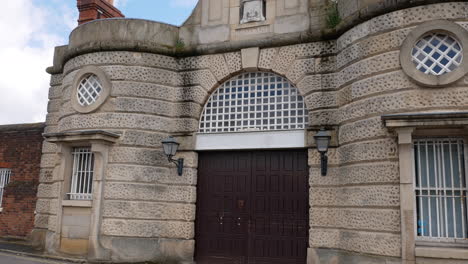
221,218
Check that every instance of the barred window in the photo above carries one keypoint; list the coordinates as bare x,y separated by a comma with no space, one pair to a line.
440,188
437,54
254,102
4,180
82,174
89,90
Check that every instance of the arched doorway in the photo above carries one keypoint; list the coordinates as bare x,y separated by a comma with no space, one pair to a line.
252,195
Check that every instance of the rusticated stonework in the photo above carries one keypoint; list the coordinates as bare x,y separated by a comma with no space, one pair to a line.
349,81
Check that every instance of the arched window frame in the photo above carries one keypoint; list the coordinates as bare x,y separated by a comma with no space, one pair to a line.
268,102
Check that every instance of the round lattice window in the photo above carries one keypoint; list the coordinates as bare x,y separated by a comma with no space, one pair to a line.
437,54
89,90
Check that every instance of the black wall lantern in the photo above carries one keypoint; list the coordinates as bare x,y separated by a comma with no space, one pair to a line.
170,146
322,140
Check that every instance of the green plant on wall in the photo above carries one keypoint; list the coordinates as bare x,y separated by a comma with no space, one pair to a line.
333,16
179,45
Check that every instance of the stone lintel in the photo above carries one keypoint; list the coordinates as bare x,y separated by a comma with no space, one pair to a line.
426,120
84,135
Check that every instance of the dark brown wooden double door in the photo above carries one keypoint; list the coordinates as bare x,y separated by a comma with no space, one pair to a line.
252,207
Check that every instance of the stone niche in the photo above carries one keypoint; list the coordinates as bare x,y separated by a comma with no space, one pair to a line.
252,11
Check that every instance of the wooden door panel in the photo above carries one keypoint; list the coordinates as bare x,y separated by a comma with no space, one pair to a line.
252,207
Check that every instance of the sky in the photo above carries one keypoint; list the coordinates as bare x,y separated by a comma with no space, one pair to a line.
30,30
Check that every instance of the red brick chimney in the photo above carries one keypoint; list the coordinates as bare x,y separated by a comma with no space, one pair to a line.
97,9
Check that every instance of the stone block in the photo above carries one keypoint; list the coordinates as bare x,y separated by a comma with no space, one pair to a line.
362,196
121,58
367,173
148,229
250,58
382,220
384,244
150,174
77,247
126,249
48,190
143,74
116,121
140,156
149,210
149,192
233,61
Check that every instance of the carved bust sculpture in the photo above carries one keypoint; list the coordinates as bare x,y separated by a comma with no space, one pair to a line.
252,11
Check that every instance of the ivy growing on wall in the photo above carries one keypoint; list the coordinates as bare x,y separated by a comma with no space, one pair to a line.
333,16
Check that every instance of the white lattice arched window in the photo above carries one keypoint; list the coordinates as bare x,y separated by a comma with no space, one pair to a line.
258,101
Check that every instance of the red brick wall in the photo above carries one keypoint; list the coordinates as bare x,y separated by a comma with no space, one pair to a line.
96,9
20,151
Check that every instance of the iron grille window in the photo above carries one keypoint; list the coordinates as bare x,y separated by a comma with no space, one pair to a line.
89,90
437,54
254,102
4,180
82,174
440,188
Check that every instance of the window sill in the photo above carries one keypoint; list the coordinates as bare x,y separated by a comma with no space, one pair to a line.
77,203
441,252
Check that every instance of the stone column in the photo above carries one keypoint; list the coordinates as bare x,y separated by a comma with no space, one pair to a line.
406,195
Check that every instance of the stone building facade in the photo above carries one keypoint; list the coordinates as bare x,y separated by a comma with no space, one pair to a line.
244,86
20,159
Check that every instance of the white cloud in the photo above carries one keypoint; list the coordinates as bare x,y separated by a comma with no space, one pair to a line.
30,35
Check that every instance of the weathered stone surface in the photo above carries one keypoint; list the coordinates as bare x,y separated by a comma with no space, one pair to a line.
150,174
149,192
402,18
127,249
55,92
363,129
156,107
149,210
56,79
300,68
380,220
48,190
375,150
122,58
203,78
143,74
363,196
46,175
234,61
116,120
365,242
375,172
317,82
140,156
143,228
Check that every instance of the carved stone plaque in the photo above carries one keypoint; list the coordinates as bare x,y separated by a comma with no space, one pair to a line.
252,11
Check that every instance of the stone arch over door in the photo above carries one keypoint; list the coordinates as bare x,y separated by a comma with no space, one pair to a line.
261,196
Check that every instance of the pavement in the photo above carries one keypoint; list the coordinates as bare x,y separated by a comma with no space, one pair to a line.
11,258
21,252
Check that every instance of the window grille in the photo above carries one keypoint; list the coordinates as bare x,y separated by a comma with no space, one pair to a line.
4,180
254,102
89,90
82,175
437,54
440,188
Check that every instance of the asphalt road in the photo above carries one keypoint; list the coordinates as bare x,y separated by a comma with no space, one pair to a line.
14,259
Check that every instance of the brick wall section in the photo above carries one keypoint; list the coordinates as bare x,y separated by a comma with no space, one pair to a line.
97,9
20,151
